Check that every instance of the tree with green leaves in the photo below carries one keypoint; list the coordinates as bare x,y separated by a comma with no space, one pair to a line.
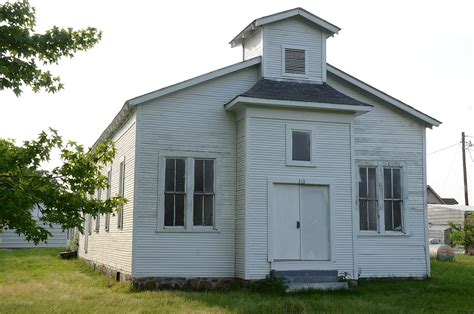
463,234
62,195
23,52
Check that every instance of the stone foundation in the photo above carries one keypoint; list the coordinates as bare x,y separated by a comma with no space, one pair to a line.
178,283
108,271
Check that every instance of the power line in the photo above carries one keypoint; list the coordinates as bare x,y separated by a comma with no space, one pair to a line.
439,150
449,170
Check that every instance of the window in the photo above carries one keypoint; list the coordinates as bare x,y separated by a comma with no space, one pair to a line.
294,61
189,192
121,193
89,224
174,192
97,218
380,197
203,192
392,199
299,145
368,198
109,194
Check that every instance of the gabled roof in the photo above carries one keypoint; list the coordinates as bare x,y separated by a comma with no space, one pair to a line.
127,109
298,91
429,189
418,115
300,12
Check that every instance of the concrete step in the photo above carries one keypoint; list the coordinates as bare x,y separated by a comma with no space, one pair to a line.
298,280
310,279
300,286
285,273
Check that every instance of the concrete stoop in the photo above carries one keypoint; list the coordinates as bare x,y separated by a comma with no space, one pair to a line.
300,280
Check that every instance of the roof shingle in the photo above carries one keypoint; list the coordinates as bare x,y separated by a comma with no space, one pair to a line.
297,91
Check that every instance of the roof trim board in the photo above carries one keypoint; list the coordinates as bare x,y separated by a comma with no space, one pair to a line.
193,81
429,121
331,29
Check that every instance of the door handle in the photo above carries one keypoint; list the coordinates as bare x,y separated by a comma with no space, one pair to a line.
298,225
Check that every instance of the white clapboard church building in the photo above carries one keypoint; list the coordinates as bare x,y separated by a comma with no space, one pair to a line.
280,162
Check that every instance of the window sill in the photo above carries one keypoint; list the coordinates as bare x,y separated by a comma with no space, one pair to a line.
300,164
386,234
187,231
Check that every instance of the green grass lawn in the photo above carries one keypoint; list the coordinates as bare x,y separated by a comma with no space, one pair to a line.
37,281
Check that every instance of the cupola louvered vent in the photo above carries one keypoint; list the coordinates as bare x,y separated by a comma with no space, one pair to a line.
295,60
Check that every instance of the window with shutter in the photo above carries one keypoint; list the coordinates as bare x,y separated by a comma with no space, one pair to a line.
295,61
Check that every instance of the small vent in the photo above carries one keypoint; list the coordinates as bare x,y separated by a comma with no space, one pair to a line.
295,61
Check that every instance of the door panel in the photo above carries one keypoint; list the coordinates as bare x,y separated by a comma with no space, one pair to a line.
286,237
315,222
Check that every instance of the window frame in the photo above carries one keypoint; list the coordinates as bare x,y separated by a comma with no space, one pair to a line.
189,157
379,176
108,196
97,218
290,127
121,191
283,59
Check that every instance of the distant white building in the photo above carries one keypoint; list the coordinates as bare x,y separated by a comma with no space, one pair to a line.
279,162
439,216
10,239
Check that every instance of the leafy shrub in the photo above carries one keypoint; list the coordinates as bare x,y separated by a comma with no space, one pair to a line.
271,284
73,245
463,234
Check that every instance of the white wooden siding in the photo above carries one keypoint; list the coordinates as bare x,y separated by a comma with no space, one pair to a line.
240,243
190,120
266,143
293,32
387,134
10,239
253,46
114,248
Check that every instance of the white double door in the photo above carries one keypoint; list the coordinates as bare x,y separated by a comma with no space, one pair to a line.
301,222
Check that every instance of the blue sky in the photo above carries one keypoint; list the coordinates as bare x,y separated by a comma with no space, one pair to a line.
420,52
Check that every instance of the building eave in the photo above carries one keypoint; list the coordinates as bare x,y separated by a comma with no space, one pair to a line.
316,21
240,101
418,115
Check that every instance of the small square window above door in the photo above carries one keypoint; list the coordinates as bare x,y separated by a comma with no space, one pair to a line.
300,145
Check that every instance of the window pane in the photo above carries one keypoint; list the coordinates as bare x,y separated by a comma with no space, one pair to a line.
169,174
372,215
208,210
363,215
397,185
198,175
363,182
179,210
169,209
209,176
397,216
387,179
388,215
372,194
197,211
301,146
180,174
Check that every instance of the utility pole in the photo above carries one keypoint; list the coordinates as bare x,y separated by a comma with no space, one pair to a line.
463,143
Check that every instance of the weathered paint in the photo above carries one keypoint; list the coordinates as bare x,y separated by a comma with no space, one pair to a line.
192,120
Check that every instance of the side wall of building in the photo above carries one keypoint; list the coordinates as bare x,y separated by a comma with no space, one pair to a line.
113,247
10,239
